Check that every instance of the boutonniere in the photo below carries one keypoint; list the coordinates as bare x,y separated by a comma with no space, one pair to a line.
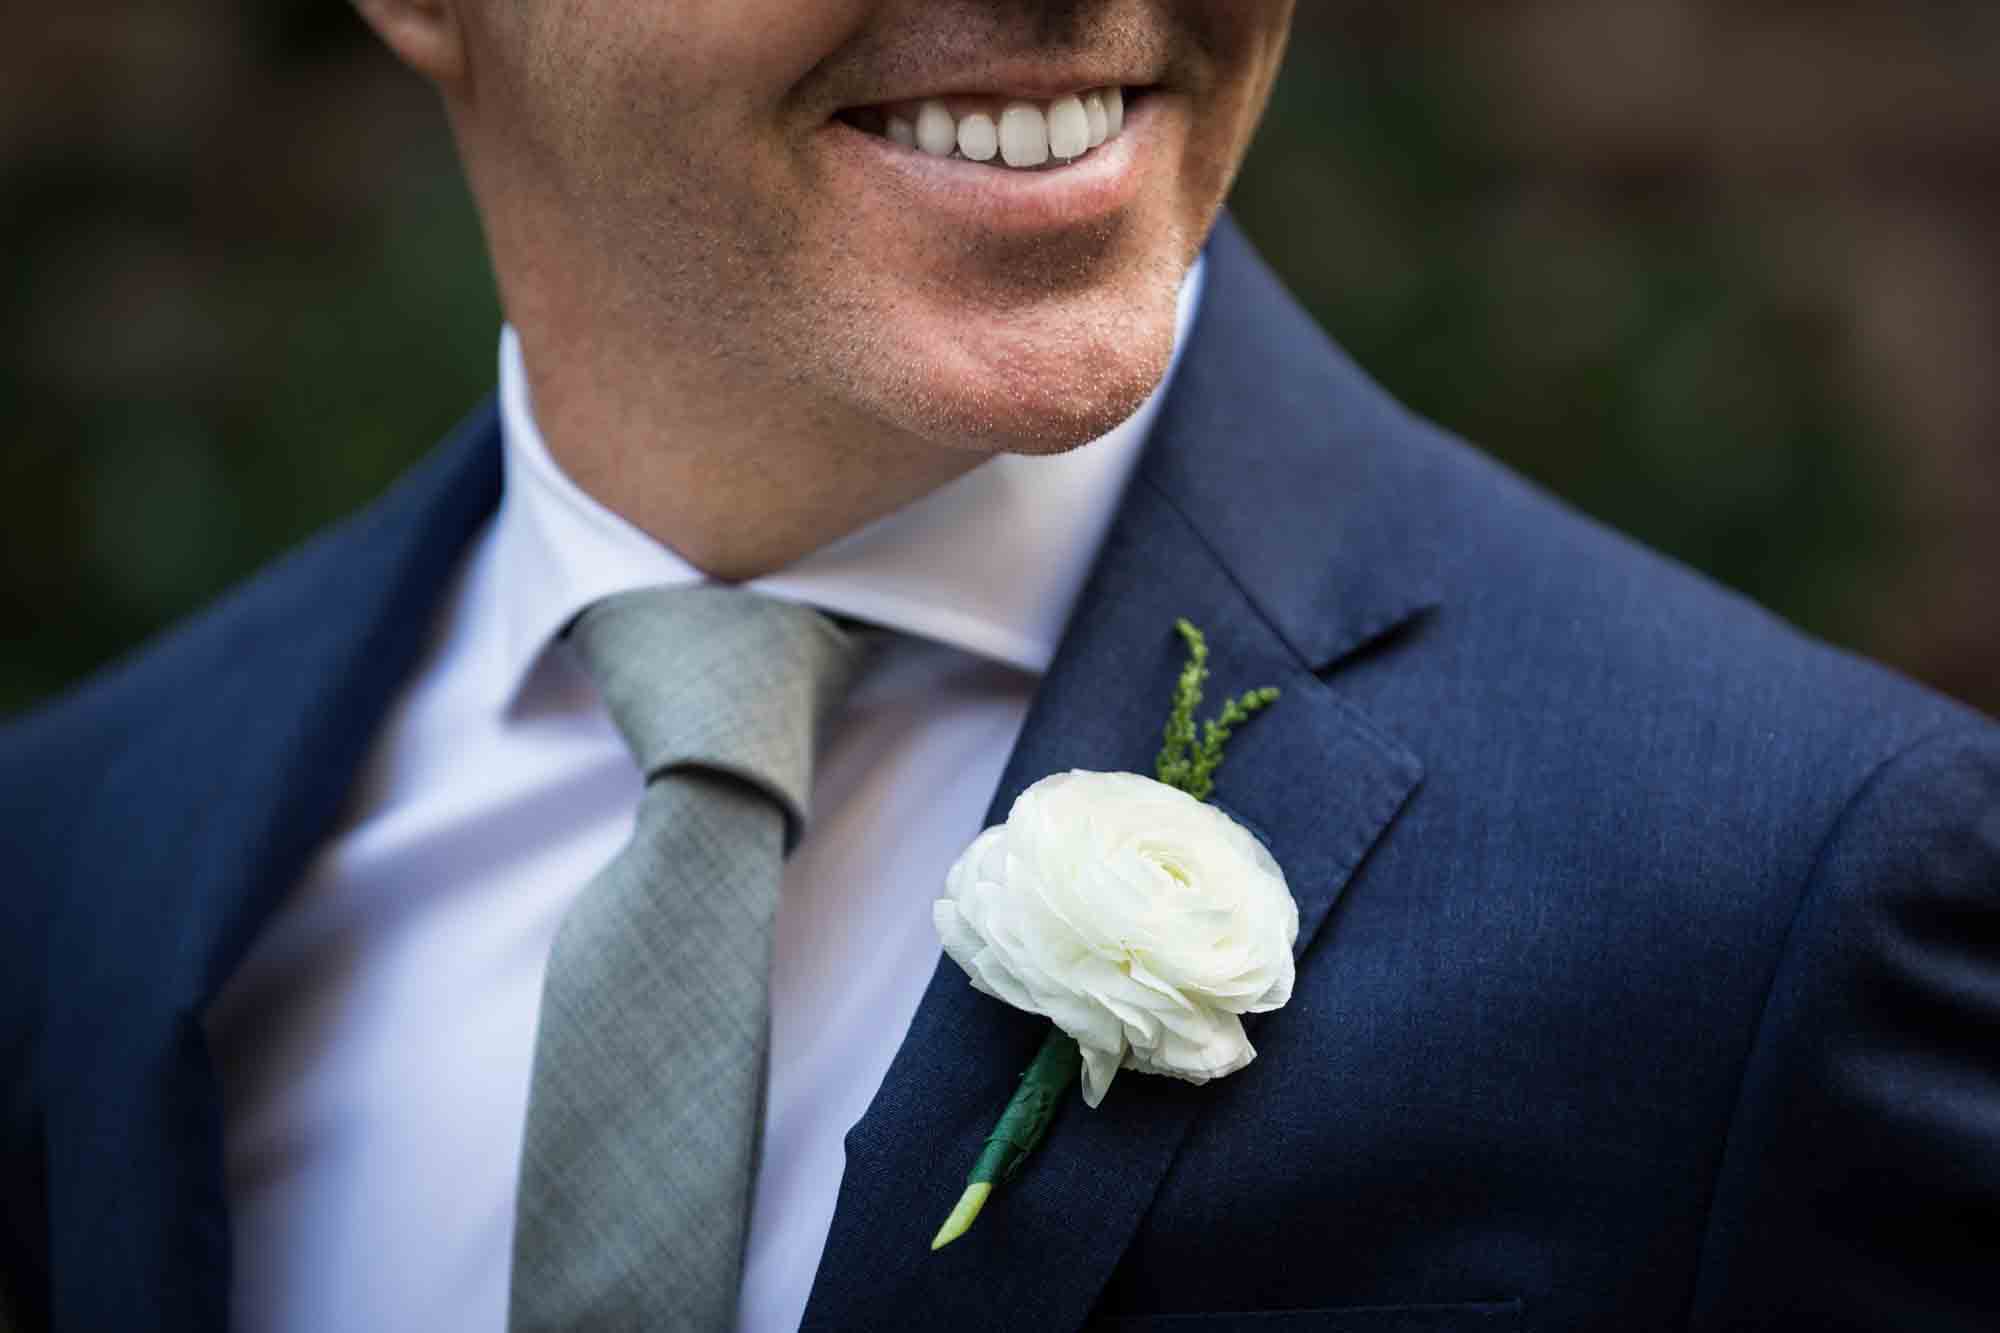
1140,920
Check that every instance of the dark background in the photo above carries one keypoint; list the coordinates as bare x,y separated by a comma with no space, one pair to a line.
1725,275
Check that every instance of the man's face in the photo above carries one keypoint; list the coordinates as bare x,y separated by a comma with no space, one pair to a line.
724,185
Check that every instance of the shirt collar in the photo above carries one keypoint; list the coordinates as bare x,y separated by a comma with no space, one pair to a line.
990,563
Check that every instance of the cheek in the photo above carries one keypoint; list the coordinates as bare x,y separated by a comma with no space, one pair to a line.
1240,35
1243,44
668,86
1229,64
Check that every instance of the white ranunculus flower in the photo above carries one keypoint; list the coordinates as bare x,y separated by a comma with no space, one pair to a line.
1140,920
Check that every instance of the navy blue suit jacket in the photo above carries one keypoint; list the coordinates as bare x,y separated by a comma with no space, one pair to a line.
1649,965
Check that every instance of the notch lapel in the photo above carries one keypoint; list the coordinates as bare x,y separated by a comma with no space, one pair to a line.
1226,523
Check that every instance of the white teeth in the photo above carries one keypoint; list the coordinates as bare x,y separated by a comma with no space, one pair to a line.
1024,135
1093,115
937,133
1069,129
978,138
1027,135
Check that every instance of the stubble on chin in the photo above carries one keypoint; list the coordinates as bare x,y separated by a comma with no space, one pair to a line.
1045,359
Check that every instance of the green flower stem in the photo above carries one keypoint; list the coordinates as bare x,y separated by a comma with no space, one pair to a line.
1020,1128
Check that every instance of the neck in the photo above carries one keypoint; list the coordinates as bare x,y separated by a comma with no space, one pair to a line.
736,491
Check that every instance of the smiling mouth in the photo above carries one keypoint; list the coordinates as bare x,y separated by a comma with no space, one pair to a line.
1016,134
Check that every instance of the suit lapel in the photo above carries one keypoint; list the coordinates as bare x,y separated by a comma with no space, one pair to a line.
241,770
1248,516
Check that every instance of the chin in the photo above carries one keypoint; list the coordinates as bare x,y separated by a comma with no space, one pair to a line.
1041,386
1057,423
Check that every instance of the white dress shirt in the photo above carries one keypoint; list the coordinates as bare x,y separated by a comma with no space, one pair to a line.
375,1046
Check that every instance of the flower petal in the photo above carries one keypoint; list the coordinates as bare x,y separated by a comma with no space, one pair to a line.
1136,918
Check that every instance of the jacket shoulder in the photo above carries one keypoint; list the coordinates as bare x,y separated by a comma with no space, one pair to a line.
198,685
1565,611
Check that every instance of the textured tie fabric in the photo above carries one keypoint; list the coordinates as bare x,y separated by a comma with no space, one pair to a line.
646,1100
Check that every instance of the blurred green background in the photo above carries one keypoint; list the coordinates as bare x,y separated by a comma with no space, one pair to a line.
1724,275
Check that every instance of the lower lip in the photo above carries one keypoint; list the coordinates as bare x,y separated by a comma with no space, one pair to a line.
999,200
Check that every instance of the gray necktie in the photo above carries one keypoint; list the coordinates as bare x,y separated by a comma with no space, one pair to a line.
645,1107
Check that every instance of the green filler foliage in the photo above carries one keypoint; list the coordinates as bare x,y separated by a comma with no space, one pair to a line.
1183,763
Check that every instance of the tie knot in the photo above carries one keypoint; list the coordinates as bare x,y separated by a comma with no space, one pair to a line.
718,678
